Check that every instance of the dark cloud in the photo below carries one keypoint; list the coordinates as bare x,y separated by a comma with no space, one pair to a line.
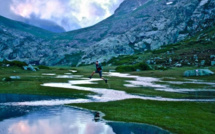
58,14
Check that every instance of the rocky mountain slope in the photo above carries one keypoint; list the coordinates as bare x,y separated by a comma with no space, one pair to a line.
136,26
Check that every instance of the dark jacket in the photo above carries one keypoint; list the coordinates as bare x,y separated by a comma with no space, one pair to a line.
98,67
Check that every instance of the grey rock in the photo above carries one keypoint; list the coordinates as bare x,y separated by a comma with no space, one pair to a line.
170,60
138,70
15,77
202,62
212,57
178,65
198,72
29,67
212,63
25,67
195,57
148,62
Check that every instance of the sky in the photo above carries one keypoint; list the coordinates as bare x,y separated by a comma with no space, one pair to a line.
69,14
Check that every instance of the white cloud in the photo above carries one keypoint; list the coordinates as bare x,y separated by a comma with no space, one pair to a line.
66,13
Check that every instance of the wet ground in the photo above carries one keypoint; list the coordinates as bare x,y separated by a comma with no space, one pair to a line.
29,114
59,119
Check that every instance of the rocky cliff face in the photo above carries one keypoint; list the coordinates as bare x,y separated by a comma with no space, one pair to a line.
22,42
136,26
142,25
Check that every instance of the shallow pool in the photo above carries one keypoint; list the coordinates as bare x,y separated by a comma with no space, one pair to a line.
59,119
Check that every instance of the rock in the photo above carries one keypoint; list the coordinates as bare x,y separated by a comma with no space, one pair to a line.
97,116
212,57
148,62
37,69
202,62
198,72
195,57
25,68
212,63
15,77
178,65
170,60
29,67
138,70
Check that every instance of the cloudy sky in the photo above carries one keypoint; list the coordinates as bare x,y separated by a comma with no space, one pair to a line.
69,14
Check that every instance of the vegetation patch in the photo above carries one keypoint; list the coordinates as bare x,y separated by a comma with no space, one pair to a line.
135,67
43,67
177,117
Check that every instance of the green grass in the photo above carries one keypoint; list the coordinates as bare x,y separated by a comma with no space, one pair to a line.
117,83
178,117
30,83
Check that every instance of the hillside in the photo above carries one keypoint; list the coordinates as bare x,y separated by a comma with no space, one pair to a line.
137,26
196,51
7,24
142,25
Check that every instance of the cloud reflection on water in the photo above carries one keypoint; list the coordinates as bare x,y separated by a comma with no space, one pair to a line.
61,120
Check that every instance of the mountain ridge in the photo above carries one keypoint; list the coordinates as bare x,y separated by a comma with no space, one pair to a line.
136,26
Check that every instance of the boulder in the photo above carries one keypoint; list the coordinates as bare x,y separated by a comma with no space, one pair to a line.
198,72
202,62
212,63
148,62
29,67
178,65
195,57
15,77
212,56
25,67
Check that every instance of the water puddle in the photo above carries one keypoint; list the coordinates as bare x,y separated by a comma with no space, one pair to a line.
60,120
73,71
151,82
30,114
105,95
68,76
48,74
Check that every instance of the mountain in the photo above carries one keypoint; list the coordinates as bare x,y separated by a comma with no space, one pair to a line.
136,26
45,24
141,25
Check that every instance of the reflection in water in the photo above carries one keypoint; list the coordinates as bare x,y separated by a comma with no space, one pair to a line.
131,128
105,95
22,98
67,120
55,120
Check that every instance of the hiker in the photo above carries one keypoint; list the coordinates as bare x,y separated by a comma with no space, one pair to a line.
98,70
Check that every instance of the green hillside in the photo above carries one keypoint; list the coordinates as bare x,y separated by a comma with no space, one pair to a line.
202,46
16,25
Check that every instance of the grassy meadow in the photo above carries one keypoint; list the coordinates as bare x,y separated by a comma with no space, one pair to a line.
177,117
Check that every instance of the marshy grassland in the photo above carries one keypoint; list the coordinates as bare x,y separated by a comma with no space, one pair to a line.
177,117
